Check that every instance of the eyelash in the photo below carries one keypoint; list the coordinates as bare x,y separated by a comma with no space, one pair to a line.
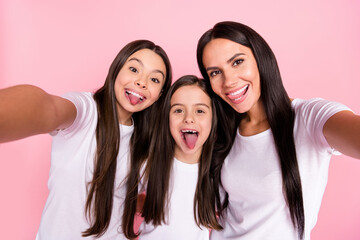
214,73
133,69
238,61
155,80
200,111
235,63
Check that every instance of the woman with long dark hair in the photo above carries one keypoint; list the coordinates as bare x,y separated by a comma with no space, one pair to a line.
273,179
180,200
95,138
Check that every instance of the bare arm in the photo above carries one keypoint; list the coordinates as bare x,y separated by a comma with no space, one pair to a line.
342,132
27,110
140,202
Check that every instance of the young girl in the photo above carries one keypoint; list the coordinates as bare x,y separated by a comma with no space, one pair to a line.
93,137
180,201
275,175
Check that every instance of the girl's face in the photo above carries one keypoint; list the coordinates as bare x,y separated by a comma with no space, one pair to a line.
138,84
233,73
190,121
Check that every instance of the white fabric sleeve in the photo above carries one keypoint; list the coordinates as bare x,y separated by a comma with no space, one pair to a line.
85,112
315,112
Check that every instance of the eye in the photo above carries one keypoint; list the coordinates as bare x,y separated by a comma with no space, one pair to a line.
133,69
214,73
237,62
155,80
200,111
178,110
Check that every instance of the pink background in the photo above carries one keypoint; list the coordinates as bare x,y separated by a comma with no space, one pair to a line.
68,46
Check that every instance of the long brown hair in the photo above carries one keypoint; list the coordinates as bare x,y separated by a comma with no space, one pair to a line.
279,112
159,164
101,189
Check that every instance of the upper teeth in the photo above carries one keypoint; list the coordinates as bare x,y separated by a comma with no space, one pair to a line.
239,91
135,94
188,131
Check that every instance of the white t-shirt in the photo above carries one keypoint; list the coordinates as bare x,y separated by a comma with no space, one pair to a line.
251,175
180,221
72,164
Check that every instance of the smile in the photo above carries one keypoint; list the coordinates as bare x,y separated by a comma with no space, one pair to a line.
238,95
134,97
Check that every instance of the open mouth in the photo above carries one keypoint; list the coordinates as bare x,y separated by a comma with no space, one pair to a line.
189,137
134,97
239,94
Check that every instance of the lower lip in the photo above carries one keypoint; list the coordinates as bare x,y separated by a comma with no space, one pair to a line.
127,96
241,99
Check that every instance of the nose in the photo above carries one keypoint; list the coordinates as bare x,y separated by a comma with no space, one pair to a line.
141,82
189,118
230,79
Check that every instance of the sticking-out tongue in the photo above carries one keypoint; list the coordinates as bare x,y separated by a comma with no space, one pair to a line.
133,99
190,139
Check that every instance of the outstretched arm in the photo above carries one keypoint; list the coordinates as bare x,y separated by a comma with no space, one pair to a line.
27,110
342,132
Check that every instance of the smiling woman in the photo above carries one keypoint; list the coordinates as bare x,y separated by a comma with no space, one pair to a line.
278,140
94,134
227,62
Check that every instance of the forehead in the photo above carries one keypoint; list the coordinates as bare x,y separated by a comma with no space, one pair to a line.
149,59
221,49
192,94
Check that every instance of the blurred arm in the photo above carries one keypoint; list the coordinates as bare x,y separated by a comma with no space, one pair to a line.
140,202
342,132
27,110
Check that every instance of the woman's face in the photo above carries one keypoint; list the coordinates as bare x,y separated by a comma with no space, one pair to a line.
139,82
233,73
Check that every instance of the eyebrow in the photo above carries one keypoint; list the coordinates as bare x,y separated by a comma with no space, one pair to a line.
141,63
196,104
228,61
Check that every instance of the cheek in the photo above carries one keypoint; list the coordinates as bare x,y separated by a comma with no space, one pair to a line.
256,82
173,130
117,88
253,74
121,75
155,92
207,128
216,86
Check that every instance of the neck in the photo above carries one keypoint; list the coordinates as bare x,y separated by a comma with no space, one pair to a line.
124,117
189,158
254,121
126,121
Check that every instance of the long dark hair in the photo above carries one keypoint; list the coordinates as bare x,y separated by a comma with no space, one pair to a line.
159,164
99,201
277,104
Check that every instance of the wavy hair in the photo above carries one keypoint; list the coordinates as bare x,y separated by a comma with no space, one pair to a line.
277,104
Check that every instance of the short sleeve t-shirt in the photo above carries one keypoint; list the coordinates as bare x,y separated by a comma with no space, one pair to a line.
251,175
180,223
72,166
